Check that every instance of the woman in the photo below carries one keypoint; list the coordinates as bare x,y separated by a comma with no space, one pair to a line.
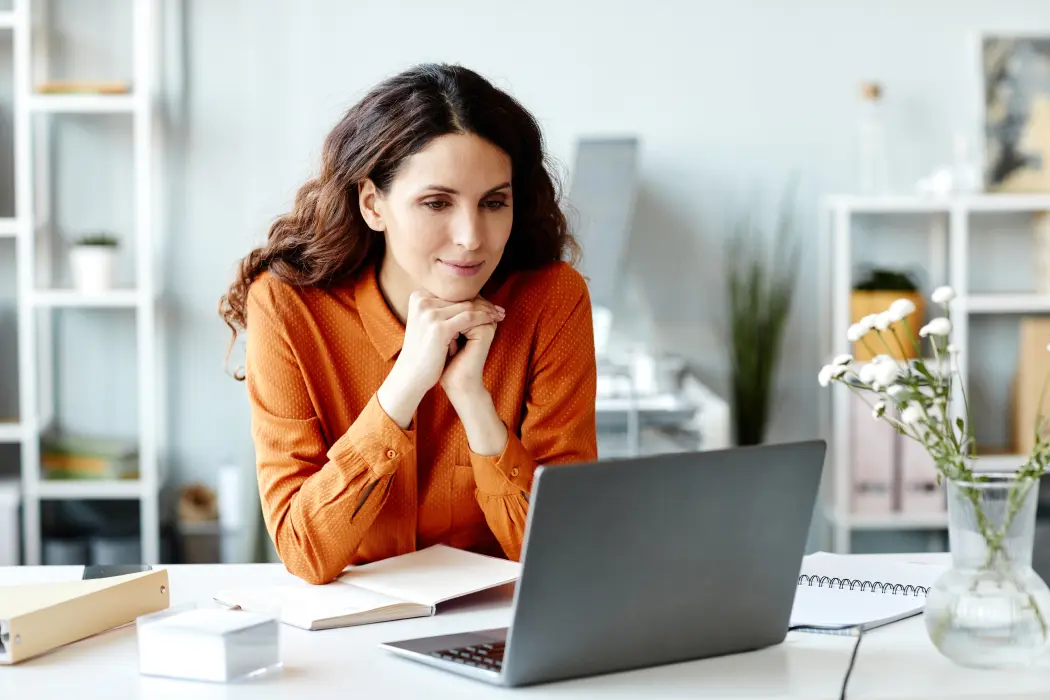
416,346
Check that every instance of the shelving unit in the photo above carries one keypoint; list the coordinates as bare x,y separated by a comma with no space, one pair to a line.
38,299
10,433
949,254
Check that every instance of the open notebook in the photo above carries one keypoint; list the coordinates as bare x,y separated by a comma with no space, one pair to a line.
838,593
410,585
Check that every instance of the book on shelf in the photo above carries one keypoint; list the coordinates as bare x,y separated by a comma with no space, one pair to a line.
83,87
71,456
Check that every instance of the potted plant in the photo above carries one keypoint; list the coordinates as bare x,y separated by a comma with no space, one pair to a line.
879,288
93,261
761,290
990,609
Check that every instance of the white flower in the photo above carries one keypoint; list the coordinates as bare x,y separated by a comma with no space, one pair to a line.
838,370
879,410
901,309
886,373
896,390
856,332
824,376
942,295
842,360
867,372
883,321
912,413
937,326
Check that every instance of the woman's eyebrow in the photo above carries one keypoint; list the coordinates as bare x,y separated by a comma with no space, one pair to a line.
450,190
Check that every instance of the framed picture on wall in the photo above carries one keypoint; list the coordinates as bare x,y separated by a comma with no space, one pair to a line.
1016,74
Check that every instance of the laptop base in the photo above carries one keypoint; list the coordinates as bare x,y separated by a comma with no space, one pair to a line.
457,653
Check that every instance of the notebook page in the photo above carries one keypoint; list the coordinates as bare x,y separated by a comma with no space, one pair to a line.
433,575
830,607
304,601
845,590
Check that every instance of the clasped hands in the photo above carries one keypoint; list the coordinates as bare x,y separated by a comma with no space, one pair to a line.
433,353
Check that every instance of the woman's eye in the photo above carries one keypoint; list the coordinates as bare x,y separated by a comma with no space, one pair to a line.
435,205
494,204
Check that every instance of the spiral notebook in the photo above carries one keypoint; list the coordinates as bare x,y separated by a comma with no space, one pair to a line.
841,594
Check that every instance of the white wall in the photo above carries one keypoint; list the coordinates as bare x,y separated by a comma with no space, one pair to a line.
728,99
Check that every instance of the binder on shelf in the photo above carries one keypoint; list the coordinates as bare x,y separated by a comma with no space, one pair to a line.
920,492
873,461
37,618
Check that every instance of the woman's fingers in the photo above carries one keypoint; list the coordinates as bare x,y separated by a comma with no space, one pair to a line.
468,319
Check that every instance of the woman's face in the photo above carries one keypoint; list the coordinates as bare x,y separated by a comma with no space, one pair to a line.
446,217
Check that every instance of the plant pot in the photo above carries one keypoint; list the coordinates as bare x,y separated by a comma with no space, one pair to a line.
94,267
990,609
866,302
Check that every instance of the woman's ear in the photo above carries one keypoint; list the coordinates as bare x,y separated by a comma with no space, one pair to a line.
368,199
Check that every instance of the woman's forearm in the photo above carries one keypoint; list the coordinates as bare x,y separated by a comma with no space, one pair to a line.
486,432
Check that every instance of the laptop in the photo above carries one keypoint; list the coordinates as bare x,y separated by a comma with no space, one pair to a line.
647,561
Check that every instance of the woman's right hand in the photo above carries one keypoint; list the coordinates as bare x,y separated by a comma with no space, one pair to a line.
431,330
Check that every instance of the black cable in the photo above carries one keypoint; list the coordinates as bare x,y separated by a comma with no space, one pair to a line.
852,658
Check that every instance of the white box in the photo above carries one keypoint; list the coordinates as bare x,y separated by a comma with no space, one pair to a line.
208,644
10,527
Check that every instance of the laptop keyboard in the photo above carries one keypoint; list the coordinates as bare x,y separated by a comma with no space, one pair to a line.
485,656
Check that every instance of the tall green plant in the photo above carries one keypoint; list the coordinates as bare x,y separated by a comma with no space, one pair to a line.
762,281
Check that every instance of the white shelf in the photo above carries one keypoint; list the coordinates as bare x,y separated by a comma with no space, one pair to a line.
918,204
82,104
36,171
895,204
999,463
1009,202
73,489
10,432
71,298
1008,303
898,521
8,227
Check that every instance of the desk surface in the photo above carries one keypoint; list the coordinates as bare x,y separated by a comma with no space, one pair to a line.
895,662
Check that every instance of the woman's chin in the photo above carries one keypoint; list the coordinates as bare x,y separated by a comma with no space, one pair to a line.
455,291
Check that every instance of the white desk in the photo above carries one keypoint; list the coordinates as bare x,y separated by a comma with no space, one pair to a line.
896,662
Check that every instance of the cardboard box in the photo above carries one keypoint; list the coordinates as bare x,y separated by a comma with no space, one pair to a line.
866,302
1033,364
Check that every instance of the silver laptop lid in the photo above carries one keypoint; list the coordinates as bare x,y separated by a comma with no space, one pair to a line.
636,563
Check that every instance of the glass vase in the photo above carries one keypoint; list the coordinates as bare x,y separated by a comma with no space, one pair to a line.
990,609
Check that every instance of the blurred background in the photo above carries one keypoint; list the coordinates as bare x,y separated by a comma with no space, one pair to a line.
747,178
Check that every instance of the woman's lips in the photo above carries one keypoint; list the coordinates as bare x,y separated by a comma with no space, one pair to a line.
461,268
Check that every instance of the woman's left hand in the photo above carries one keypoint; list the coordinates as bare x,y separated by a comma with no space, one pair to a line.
463,383
463,372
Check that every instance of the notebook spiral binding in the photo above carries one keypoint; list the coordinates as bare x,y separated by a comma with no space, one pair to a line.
854,584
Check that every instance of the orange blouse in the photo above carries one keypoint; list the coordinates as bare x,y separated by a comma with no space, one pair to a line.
342,484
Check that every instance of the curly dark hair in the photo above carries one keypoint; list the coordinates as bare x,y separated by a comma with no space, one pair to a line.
324,239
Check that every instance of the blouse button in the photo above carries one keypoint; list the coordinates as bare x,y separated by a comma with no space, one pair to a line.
391,454
514,471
